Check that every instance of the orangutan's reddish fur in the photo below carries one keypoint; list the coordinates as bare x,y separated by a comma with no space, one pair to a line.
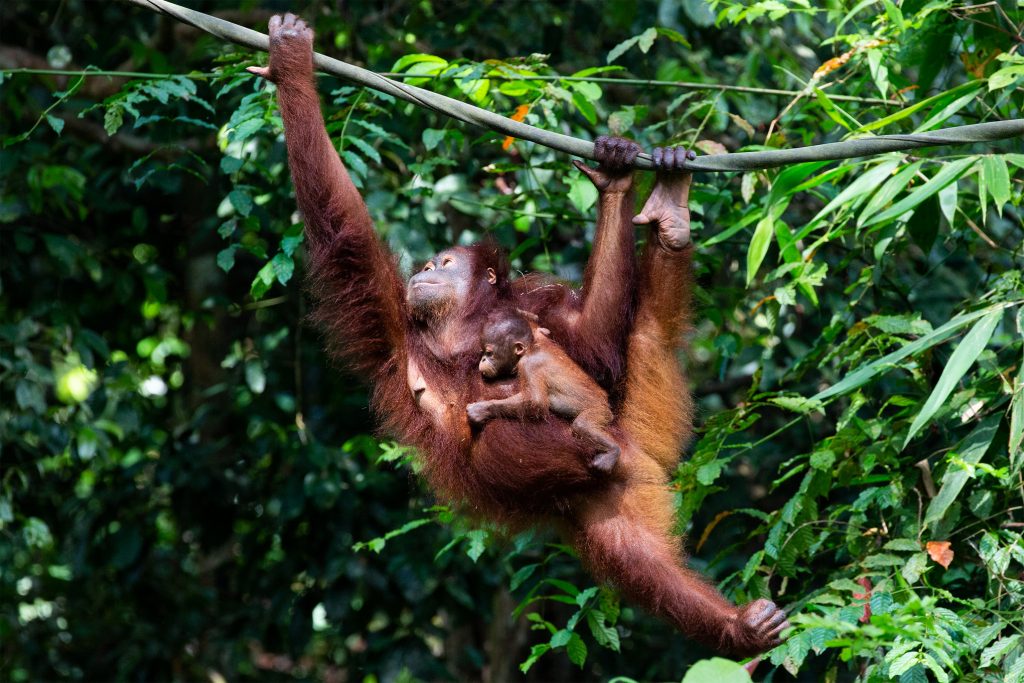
622,327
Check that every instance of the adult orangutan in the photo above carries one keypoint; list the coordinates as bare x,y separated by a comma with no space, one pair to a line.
419,347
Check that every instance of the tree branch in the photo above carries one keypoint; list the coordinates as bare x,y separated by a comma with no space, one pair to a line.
743,161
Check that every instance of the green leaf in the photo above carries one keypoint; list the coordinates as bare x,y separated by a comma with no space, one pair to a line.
56,123
255,377
904,663
970,451
915,674
30,395
561,638
946,112
432,137
855,193
582,192
577,650
585,107
948,202
284,267
1005,76
907,544
674,36
621,48
596,70
366,148
1016,442
967,351
535,653
948,174
716,670
476,537
523,573
226,258
428,63
241,201
997,179
230,164
935,99
994,653
591,91
866,372
798,404
894,14
916,565
646,39
605,634
940,675
262,282
759,244
113,117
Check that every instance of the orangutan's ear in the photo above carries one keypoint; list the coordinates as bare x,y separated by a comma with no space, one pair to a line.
492,277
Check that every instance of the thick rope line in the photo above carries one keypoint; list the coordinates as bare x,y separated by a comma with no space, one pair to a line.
742,161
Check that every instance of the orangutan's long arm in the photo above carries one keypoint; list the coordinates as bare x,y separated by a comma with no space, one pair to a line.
353,276
604,316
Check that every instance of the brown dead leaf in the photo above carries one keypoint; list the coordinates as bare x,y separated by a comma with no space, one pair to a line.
710,147
742,123
941,552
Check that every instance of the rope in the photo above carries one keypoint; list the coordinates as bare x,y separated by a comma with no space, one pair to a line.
742,161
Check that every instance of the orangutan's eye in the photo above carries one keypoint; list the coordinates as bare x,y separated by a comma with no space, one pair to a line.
448,260
429,266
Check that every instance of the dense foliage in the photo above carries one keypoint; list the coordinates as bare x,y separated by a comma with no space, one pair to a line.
188,491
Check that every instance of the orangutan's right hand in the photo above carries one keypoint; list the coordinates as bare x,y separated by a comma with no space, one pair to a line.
291,51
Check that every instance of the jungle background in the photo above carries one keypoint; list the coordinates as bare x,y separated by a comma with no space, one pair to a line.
188,490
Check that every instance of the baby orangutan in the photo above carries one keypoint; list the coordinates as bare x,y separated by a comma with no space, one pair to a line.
548,381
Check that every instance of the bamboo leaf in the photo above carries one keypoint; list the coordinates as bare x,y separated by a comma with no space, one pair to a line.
997,179
946,112
949,174
970,451
885,194
934,100
959,363
759,246
855,193
1016,444
948,201
867,372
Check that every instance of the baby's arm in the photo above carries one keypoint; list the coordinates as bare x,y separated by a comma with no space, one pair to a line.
532,399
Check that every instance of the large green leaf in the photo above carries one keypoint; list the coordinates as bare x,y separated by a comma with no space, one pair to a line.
716,670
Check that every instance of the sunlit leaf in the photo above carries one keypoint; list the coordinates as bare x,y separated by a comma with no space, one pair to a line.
759,244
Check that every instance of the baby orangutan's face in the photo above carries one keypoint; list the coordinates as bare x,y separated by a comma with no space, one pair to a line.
500,357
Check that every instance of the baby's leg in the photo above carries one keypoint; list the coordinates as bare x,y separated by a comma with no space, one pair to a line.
591,424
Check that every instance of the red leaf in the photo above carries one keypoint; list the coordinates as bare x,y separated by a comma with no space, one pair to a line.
866,595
